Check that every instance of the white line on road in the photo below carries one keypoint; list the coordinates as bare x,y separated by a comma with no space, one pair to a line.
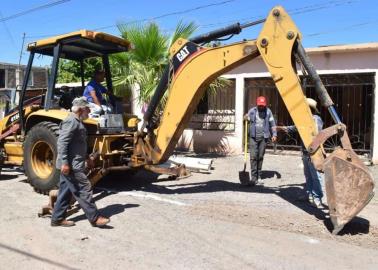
144,196
312,241
153,197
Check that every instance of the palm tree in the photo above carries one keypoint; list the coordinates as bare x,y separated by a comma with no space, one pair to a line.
144,65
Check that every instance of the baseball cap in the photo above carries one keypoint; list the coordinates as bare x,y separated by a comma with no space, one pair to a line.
261,101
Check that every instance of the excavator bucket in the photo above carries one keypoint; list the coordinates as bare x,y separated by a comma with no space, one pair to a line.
349,186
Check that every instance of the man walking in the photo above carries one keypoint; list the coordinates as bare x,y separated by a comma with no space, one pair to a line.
262,127
72,153
313,178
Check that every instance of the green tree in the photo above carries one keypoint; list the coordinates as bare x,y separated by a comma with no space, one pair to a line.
145,64
69,70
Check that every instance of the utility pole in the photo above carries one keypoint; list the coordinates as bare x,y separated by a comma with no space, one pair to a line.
22,49
18,70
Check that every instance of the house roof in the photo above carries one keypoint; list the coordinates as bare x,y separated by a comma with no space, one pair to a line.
15,66
372,46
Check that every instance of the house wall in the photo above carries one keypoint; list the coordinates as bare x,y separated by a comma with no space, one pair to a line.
11,78
326,62
14,76
40,78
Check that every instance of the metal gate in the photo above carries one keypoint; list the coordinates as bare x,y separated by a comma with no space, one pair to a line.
216,110
352,94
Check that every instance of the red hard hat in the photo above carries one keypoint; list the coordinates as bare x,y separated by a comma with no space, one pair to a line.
261,101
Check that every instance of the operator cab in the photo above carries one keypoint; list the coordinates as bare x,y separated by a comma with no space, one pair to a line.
76,46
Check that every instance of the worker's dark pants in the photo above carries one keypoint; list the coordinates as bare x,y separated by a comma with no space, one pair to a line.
256,154
78,185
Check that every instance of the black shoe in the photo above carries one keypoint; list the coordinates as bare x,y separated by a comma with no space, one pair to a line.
253,182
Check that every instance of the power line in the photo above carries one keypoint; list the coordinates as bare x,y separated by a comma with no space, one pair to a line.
22,13
346,28
154,18
331,5
8,31
293,12
170,14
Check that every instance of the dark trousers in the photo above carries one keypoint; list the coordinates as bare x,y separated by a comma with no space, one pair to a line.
75,184
256,154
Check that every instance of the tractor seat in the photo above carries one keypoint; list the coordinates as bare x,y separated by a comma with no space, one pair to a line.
66,99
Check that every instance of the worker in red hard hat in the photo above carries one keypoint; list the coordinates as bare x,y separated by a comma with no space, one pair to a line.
262,127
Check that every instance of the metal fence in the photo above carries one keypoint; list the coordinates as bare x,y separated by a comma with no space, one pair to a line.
216,110
352,94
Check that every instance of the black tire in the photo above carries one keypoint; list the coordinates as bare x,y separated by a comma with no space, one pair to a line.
40,151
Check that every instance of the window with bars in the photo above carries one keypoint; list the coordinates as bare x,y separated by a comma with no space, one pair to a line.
353,97
2,78
216,110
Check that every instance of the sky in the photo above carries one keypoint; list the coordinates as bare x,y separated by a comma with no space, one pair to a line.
321,22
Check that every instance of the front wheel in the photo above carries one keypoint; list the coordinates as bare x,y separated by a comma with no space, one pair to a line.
40,152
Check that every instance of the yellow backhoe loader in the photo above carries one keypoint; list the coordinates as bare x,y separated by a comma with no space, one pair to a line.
29,138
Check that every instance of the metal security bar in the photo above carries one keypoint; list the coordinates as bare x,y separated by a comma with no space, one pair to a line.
353,97
216,110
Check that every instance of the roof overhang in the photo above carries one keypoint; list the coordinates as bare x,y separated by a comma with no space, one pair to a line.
372,46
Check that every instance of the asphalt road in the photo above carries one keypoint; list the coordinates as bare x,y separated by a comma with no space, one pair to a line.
205,221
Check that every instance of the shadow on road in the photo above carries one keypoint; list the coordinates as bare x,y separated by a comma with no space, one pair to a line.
52,263
270,174
146,181
108,211
5,177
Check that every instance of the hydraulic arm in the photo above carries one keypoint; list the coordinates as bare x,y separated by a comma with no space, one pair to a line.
193,67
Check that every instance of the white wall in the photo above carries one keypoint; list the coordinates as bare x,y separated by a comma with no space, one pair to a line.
365,60
210,141
356,61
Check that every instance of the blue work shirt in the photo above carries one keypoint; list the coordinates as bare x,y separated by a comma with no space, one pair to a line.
98,88
268,126
319,124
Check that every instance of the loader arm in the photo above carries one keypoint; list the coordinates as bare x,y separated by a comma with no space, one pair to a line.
349,184
194,67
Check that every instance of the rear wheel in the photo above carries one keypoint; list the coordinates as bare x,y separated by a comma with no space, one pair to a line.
40,152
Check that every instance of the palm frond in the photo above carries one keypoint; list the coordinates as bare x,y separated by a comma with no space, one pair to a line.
149,42
183,30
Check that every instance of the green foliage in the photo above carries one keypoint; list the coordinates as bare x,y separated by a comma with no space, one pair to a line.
218,84
144,65
182,31
69,71
150,44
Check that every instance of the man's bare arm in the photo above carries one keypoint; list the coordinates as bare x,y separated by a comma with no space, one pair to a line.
94,97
